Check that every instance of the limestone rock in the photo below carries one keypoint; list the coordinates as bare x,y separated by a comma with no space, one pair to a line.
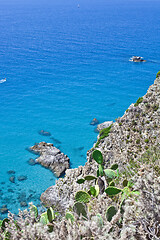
51,158
104,125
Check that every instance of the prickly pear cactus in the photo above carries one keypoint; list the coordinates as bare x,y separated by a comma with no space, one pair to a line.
34,211
114,166
80,209
80,181
109,173
112,191
82,196
97,155
50,214
90,177
44,219
69,216
111,211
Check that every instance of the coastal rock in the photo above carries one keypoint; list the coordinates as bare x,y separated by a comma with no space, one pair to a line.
12,179
23,204
22,178
4,209
11,172
51,158
44,133
94,122
32,162
104,125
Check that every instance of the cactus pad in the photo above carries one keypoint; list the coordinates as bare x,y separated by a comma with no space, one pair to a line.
50,214
111,211
109,173
112,191
80,209
69,216
44,218
90,177
97,155
34,211
82,196
80,181
114,166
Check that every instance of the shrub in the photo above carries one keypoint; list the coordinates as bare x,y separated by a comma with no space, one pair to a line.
138,141
155,107
158,74
146,140
103,133
140,99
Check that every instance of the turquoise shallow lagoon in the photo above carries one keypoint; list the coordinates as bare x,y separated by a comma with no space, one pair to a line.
65,66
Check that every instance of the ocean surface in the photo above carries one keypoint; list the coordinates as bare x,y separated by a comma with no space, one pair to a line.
65,65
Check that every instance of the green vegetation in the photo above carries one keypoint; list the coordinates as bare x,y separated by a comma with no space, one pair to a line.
140,99
146,140
103,133
111,177
155,107
138,141
158,74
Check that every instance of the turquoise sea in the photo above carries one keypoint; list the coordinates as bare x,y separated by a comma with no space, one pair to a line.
66,65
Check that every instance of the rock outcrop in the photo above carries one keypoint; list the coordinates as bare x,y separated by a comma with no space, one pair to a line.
51,158
104,125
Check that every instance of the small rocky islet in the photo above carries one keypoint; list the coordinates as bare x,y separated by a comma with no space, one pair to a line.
51,157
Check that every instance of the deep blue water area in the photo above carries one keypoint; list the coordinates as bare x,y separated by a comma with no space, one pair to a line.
66,65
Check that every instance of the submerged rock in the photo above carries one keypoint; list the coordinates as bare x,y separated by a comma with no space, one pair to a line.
11,172
44,133
22,178
94,122
31,162
55,140
12,179
51,158
4,209
23,204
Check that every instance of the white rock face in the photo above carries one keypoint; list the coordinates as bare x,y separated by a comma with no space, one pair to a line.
104,125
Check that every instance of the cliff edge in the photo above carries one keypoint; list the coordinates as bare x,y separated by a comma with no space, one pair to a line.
132,142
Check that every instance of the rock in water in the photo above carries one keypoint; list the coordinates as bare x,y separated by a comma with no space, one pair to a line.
51,158
94,122
12,179
44,133
22,178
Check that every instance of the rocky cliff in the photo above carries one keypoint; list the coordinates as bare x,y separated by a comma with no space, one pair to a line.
132,143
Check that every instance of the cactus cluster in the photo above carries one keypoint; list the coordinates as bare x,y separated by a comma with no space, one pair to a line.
110,176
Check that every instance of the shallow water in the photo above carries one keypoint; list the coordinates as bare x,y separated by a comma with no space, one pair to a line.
65,66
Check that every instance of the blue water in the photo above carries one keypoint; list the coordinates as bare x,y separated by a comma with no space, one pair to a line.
65,66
